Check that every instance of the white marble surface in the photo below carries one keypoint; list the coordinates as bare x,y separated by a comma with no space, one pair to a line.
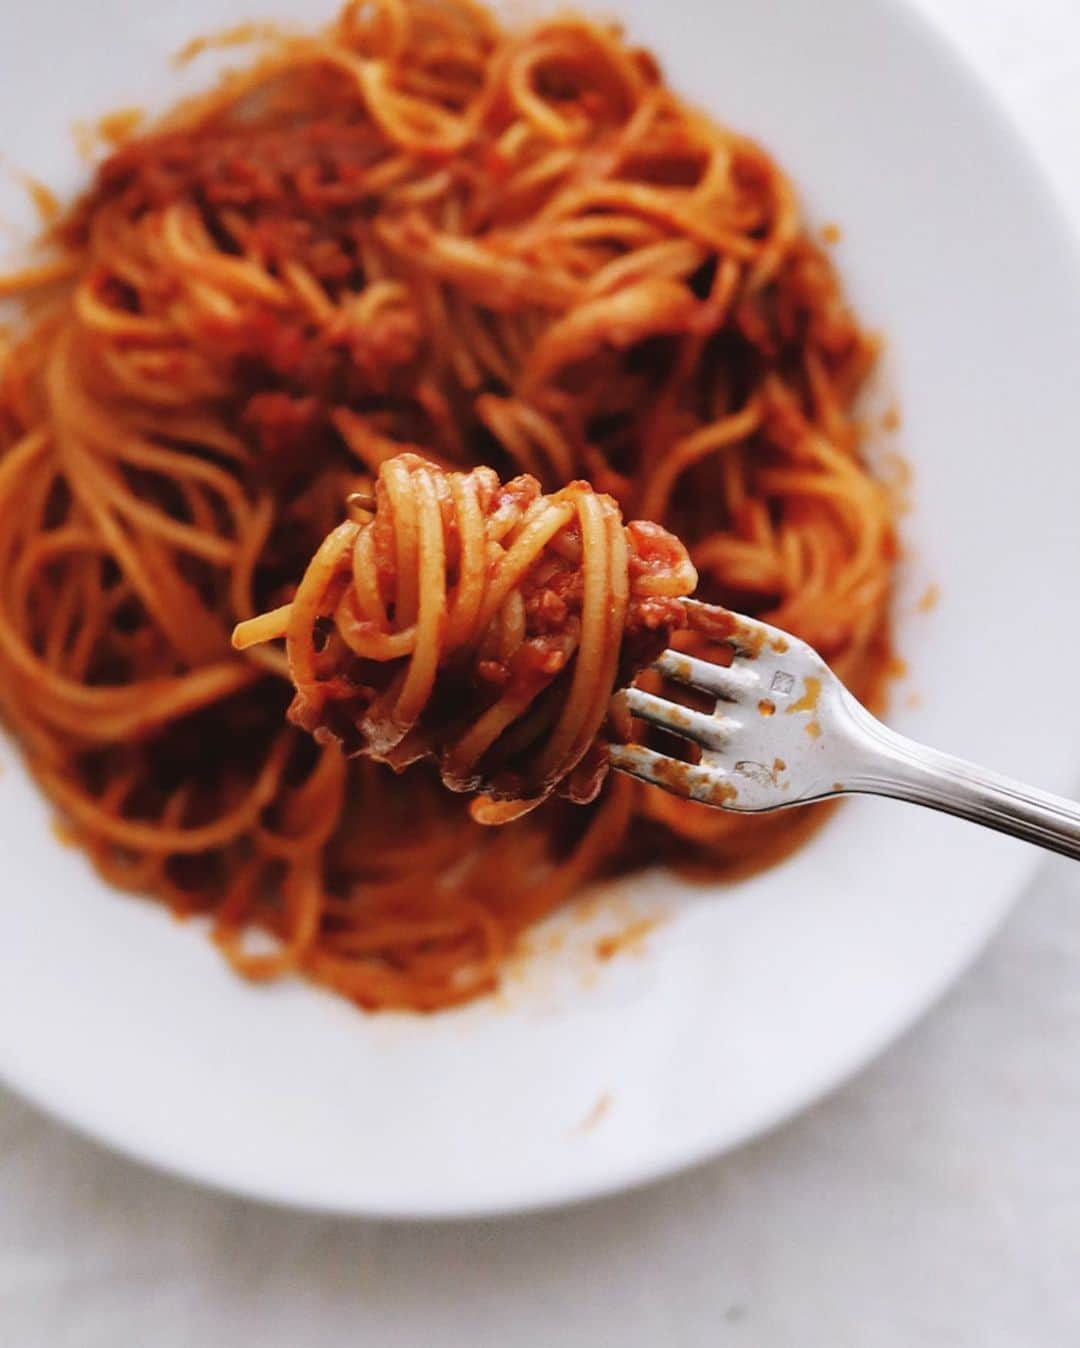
934,1201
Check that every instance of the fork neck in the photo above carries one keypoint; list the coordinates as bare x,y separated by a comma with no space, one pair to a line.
885,763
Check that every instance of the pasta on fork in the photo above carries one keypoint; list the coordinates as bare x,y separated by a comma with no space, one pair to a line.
484,625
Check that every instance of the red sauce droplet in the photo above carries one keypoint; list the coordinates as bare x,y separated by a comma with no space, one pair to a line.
809,699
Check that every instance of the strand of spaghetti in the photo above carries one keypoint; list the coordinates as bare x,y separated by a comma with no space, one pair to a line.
153,837
369,643
498,281
655,305
263,627
471,579
513,564
196,256
303,898
474,742
101,713
607,829
663,207
364,594
27,279
574,719
242,581
307,604
431,583
732,430
166,596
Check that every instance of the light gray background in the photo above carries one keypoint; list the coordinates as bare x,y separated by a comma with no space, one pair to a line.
935,1201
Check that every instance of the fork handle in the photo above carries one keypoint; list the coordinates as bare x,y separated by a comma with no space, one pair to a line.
888,764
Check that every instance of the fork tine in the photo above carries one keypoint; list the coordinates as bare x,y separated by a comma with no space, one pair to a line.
746,635
722,681
704,728
694,781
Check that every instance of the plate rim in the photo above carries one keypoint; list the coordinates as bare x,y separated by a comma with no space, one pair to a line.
1022,864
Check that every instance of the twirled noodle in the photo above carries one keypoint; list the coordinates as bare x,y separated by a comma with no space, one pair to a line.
482,625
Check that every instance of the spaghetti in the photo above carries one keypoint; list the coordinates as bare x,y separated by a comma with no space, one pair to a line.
410,229
484,626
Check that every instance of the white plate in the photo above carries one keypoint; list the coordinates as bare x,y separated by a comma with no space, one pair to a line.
749,1001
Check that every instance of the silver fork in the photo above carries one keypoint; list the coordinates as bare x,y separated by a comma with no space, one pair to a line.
785,731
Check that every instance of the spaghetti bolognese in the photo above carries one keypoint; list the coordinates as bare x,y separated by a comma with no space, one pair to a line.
484,626
414,228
